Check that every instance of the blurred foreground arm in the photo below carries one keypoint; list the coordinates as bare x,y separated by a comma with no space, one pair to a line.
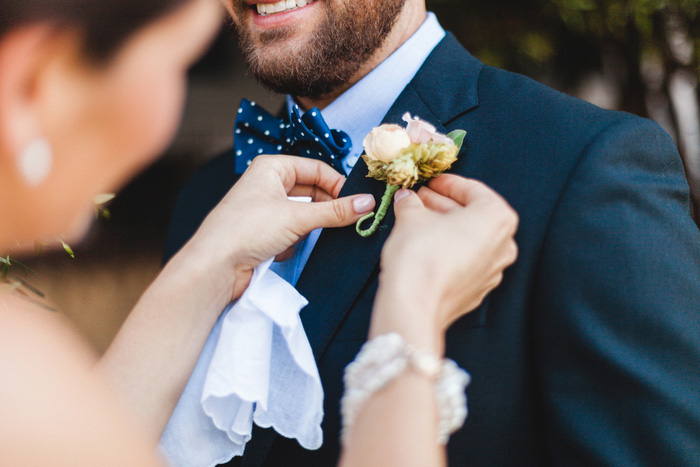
54,410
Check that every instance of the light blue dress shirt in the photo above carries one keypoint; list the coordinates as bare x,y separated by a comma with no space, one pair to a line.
361,108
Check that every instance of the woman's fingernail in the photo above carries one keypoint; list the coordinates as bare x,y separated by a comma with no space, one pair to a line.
401,194
363,203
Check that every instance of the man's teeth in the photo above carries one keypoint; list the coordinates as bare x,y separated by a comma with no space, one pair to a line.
281,6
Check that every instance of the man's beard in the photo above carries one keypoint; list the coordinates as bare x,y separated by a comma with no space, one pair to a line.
348,36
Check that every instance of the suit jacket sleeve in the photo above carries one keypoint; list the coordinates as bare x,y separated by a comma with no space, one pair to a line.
616,315
198,197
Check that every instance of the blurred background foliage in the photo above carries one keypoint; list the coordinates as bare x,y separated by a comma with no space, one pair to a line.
641,56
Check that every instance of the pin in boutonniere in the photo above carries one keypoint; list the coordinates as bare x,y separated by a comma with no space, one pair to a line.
402,157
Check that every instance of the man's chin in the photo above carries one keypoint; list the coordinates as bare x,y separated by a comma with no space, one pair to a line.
317,49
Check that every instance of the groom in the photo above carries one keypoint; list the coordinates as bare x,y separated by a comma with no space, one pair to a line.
589,351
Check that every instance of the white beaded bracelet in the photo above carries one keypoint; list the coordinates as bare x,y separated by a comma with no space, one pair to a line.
382,359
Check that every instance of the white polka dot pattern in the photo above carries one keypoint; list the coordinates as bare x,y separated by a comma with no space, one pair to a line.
257,132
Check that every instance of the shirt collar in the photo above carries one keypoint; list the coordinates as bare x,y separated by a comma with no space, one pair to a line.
363,106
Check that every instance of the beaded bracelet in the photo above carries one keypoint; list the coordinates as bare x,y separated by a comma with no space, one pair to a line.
382,359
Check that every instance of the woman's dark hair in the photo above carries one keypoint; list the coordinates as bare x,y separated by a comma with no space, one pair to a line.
104,24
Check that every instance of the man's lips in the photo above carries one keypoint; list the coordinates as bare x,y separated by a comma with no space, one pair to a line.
283,6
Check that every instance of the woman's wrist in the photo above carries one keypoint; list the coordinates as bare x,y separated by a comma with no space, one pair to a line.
210,271
413,317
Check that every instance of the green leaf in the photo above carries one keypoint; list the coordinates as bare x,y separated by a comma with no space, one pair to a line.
100,201
458,137
24,267
68,249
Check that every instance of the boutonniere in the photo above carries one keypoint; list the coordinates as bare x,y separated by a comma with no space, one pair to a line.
402,157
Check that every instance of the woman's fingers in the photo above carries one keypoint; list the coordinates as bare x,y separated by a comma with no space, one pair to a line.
295,170
313,192
306,177
476,195
462,190
435,201
511,252
285,255
334,213
405,202
289,252
271,179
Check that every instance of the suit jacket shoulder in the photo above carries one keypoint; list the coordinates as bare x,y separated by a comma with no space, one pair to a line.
200,194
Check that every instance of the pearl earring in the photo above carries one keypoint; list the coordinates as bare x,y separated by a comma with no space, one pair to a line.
35,161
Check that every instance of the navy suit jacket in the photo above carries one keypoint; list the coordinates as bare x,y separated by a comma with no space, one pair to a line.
588,353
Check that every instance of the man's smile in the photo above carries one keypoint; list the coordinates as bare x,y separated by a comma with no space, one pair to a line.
283,6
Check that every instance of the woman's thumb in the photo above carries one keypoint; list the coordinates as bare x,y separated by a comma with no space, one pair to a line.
406,200
339,212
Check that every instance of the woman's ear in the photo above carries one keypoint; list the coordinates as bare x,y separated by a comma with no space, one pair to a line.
22,53
38,87
43,82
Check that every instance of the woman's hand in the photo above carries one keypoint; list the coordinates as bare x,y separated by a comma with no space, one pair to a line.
446,252
256,220
152,357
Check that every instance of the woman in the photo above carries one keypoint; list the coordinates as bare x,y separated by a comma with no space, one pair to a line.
90,92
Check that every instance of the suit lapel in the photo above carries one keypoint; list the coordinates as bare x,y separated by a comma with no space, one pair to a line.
447,82
342,261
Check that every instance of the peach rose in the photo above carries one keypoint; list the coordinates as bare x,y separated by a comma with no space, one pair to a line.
422,132
385,142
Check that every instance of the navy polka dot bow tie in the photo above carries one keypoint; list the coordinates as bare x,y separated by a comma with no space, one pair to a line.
257,132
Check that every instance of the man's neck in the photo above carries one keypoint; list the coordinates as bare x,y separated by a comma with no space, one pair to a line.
408,23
